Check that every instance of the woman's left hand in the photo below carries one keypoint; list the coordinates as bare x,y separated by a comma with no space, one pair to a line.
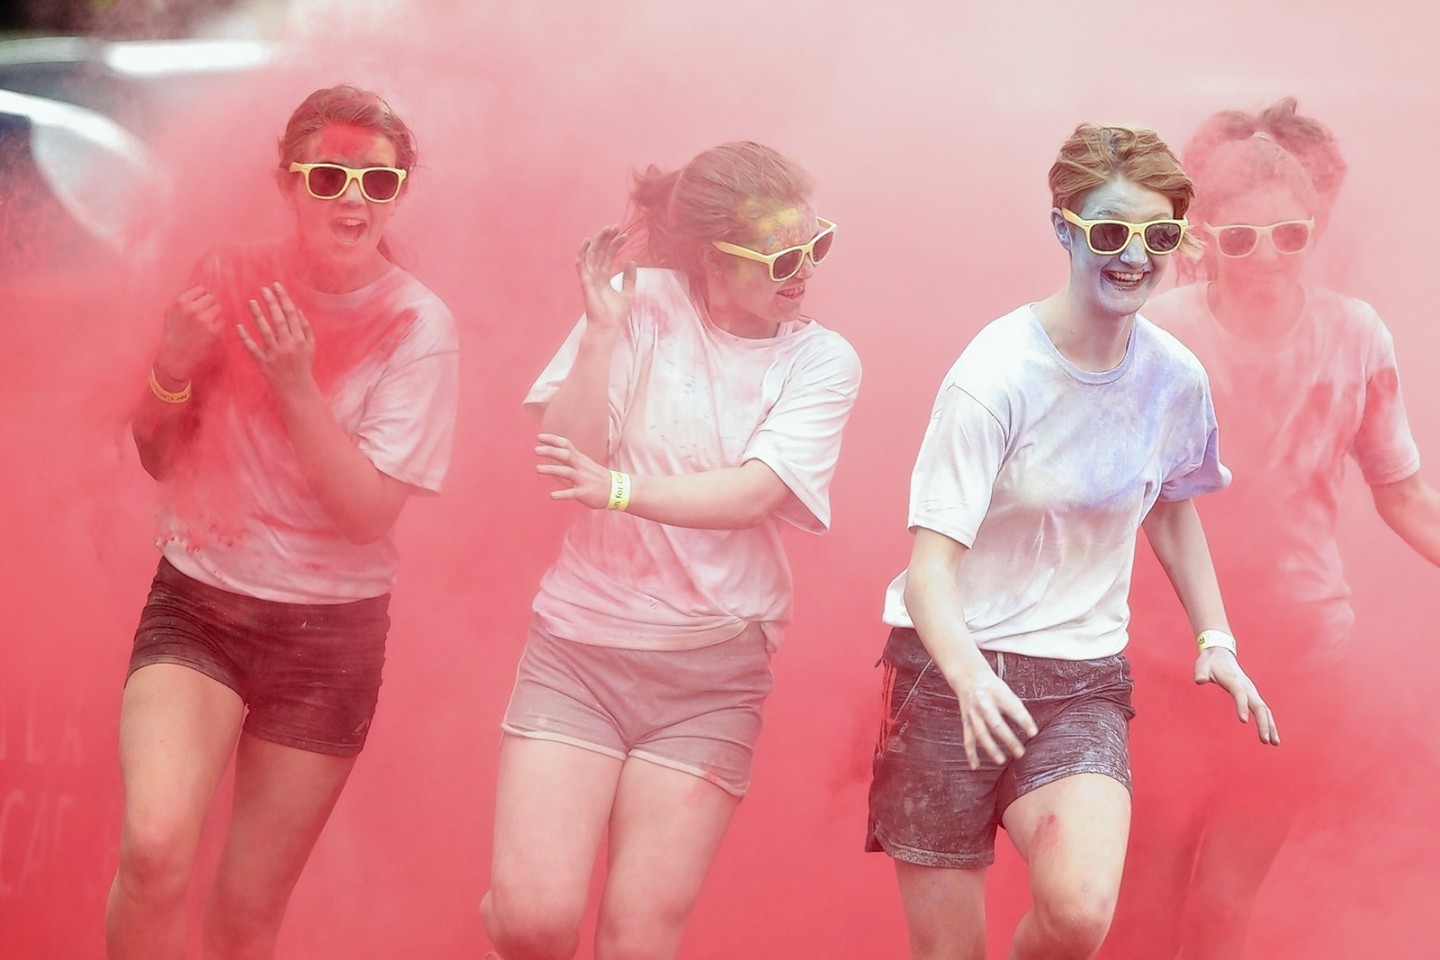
1219,666
285,350
579,477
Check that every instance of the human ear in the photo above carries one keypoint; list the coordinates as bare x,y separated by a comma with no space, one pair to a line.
1062,227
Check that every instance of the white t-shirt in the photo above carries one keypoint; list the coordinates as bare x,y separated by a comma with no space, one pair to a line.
687,397
1293,408
1045,471
237,512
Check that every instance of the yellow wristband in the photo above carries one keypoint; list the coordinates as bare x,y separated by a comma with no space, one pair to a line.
168,396
619,490
1215,638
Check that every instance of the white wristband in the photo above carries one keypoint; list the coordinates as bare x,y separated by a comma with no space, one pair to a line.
1216,638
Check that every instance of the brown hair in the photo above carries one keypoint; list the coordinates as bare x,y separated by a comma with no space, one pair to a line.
349,106
1235,152
1095,155
716,196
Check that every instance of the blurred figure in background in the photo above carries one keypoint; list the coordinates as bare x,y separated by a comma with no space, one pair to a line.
1303,379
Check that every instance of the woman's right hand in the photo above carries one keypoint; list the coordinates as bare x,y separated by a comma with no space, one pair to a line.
191,329
990,713
605,307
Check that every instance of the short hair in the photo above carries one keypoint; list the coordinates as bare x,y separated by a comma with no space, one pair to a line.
1095,155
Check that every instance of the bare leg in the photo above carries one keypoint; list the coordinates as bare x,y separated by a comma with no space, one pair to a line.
944,911
552,804
177,730
1072,833
283,796
1236,853
664,832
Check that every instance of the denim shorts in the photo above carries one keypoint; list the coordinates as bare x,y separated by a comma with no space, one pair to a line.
927,806
697,711
309,674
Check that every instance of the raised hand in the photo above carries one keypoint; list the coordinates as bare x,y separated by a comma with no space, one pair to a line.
190,331
605,307
284,344
1219,666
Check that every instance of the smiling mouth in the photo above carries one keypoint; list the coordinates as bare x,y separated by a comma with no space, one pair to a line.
1127,280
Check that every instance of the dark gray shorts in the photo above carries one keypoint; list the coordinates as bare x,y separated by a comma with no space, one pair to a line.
927,806
309,673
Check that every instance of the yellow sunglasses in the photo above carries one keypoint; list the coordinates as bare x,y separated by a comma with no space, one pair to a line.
1107,237
1241,239
327,181
784,264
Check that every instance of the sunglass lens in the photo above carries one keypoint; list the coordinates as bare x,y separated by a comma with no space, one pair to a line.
1237,241
787,264
821,250
1109,236
1291,237
326,183
381,184
1163,237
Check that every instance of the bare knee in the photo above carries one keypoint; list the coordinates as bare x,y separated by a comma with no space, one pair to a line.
651,932
531,927
1076,921
155,861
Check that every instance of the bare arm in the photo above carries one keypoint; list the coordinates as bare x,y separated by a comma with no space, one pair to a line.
580,408
1411,508
933,599
731,498
1175,534
188,336
363,502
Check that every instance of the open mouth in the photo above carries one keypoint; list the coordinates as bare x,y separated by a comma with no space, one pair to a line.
792,293
1126,280
348,229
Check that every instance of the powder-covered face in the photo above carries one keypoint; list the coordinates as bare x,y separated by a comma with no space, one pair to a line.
340,238
1117,284
741,293
1266,272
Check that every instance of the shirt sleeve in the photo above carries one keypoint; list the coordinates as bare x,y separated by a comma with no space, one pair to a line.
408,428
1383,447
800,436
959,461
1198,470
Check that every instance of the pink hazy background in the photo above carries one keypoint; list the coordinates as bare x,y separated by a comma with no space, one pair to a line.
929,129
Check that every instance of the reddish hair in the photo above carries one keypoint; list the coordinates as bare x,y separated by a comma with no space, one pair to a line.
1095,155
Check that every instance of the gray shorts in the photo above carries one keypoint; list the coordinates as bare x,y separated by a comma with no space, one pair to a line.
928,807
697,711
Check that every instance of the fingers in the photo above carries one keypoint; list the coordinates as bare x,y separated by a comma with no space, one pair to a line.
250,344
298,323
1264,721
994,719
596,255
267,335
